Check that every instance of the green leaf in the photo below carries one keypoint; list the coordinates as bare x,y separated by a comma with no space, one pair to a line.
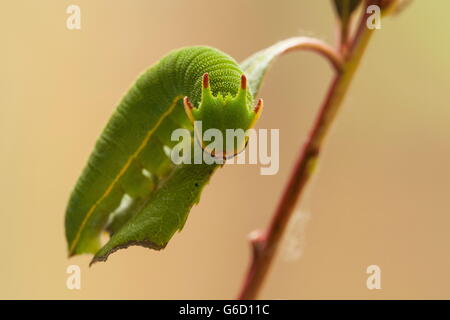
165,212
345,8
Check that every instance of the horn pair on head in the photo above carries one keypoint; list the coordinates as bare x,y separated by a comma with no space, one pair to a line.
224,112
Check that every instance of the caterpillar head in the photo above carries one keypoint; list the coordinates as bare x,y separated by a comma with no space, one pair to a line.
223,113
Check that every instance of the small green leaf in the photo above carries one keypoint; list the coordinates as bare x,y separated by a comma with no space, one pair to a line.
345,8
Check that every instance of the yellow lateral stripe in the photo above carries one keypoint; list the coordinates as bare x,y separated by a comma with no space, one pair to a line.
122,171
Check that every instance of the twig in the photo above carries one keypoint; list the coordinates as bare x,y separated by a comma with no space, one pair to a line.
265,244
315,45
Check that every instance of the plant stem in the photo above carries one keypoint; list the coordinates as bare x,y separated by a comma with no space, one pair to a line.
317,46
264,244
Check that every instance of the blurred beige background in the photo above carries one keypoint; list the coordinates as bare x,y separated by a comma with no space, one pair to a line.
381,195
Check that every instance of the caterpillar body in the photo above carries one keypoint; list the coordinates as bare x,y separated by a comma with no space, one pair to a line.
189,84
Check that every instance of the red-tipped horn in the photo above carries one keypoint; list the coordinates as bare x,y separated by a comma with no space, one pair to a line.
188,108
187,103
205,80
243,82
259,106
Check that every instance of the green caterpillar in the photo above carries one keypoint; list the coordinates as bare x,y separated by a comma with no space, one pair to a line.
129,156
130,160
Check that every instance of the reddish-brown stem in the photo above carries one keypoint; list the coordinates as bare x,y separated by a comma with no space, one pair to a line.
264,244
317,46
344,31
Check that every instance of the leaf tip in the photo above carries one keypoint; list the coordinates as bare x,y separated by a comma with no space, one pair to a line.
105,252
